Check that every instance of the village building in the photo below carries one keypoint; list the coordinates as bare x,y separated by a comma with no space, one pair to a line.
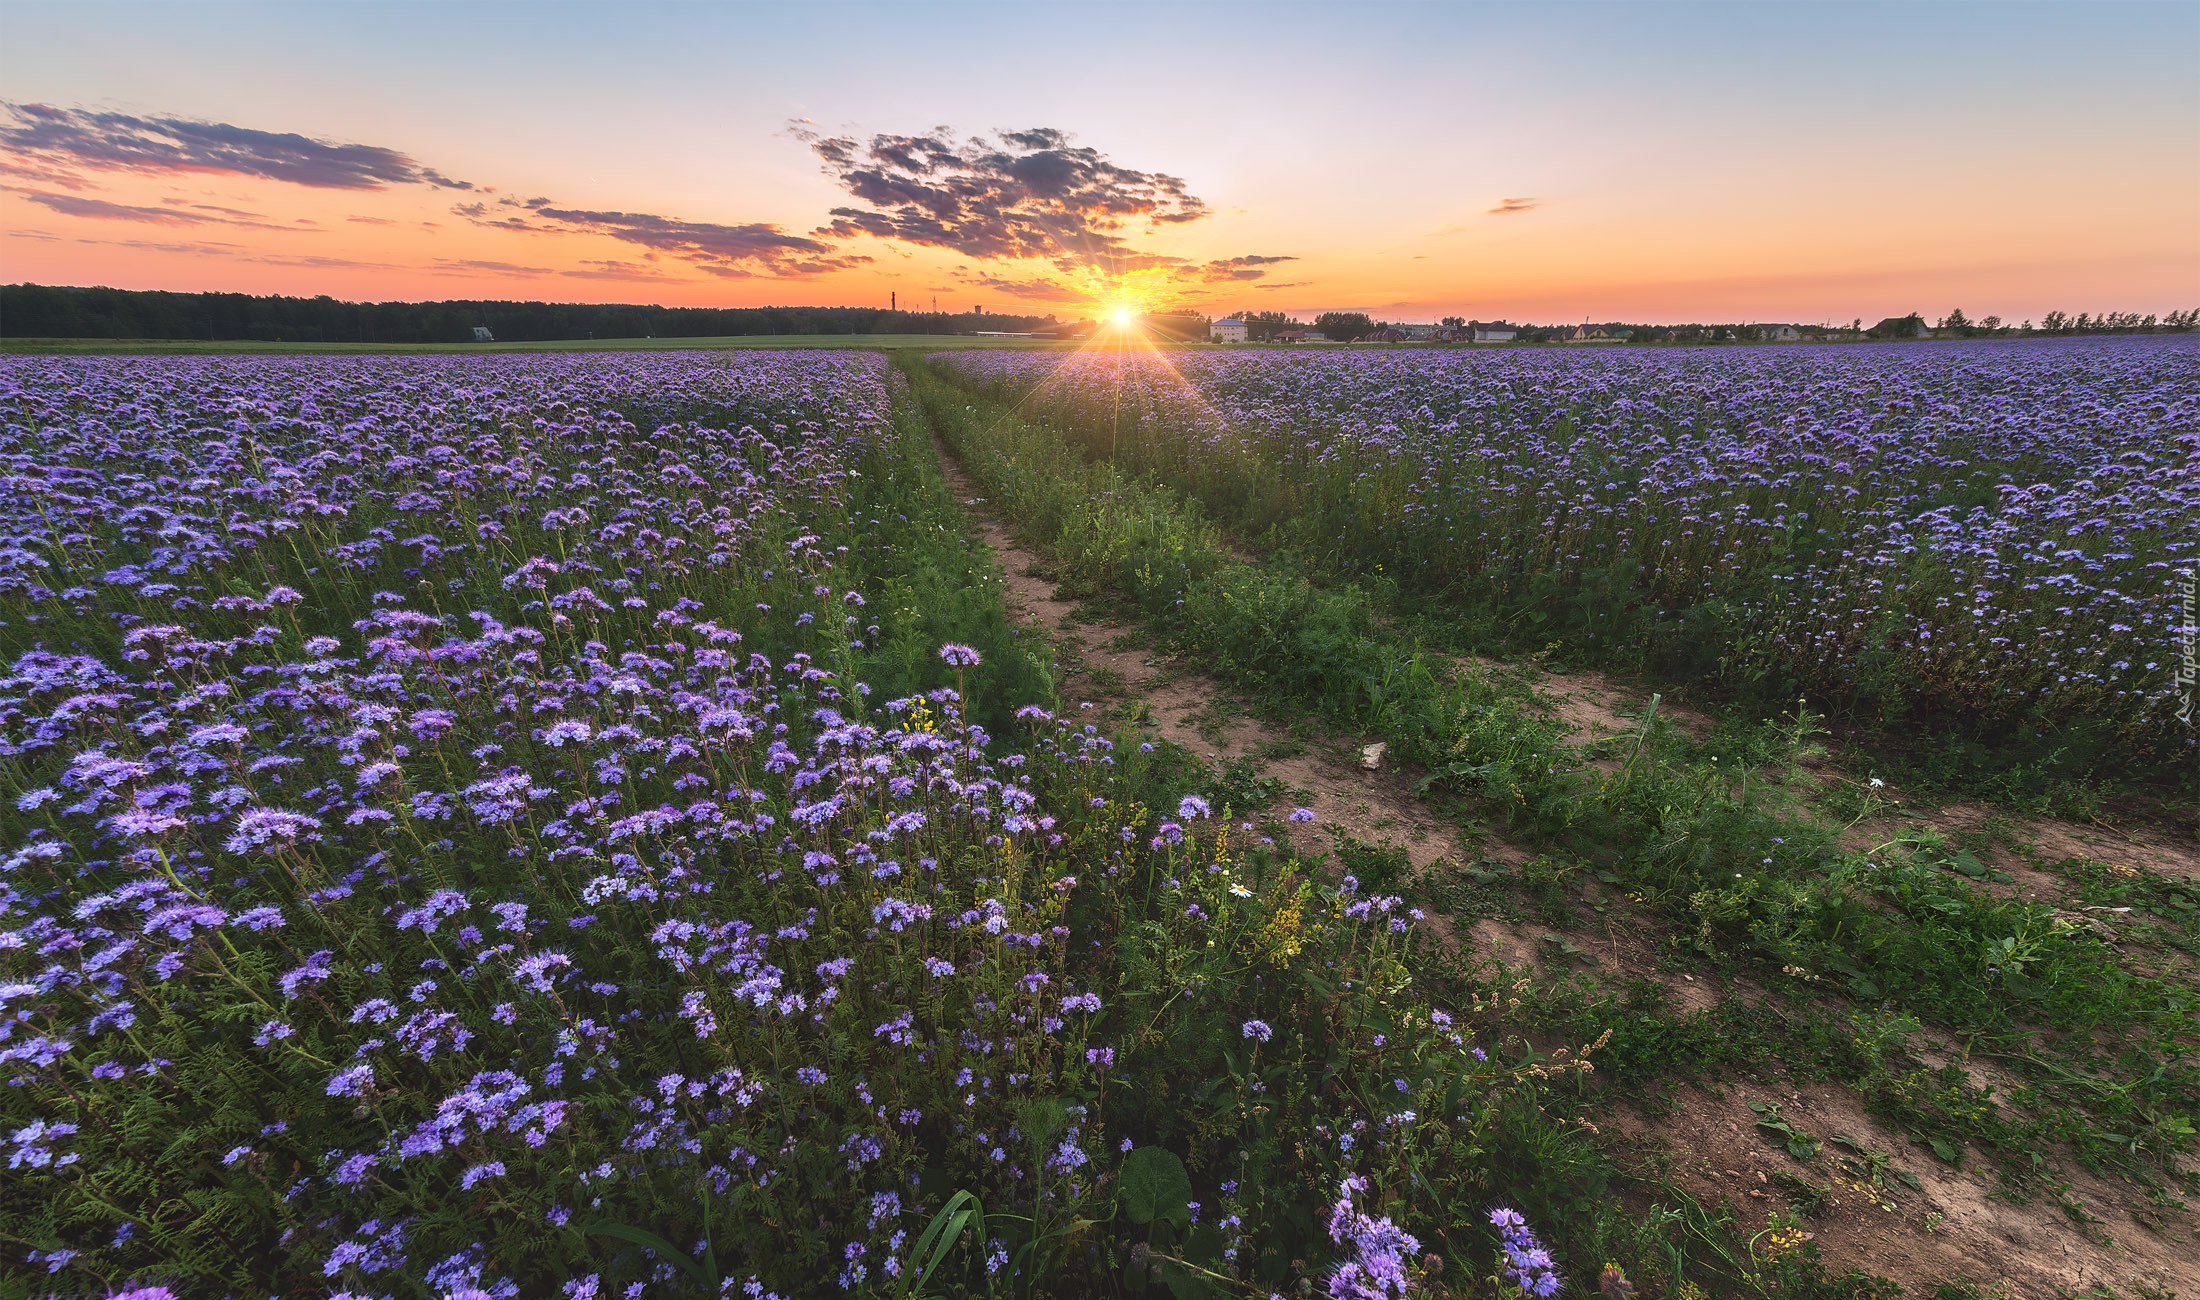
1494,332
1228,331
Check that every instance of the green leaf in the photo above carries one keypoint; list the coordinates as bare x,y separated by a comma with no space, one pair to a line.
1155,1186
1946,1150
940,1235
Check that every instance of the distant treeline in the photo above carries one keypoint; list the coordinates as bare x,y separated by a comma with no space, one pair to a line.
1338,326
47,311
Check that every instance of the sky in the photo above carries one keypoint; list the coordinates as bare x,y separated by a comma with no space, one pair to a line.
1543,162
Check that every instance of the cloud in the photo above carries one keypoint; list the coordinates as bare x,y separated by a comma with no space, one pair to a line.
65,138
724,250
1030,290
214,249
1250,267
72,205
1013,194
468,265
1507,207
372,221
592,269
320,263
44,175
609,269
217,210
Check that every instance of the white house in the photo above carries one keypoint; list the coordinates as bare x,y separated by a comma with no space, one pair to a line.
1227,331
1780,333
1496,332
482,334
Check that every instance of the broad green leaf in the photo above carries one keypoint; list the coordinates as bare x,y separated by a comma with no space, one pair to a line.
1155,1186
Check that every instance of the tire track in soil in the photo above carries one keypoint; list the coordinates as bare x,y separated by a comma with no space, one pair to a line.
1325,775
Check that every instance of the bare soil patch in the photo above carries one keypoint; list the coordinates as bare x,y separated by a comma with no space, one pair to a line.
1955,1224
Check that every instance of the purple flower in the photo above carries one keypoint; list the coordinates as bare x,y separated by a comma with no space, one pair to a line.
34,1145
479,1173
316,967
1258,1030
536,972
1527,1264
960,656
1378,1252
270,828
352,1081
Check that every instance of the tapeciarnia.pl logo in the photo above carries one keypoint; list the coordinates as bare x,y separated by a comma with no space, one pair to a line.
2188,657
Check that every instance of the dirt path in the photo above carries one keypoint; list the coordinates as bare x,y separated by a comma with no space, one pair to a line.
1109,668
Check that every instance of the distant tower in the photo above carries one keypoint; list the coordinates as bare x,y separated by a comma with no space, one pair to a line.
892,302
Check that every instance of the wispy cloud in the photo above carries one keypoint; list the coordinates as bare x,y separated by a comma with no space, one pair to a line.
31,171
70,138
1251,267
611,269
1028,290
212,248
1507,207
475,265
76,205
733,251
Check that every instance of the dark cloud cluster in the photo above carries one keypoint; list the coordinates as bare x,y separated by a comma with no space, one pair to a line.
67,138
1011,195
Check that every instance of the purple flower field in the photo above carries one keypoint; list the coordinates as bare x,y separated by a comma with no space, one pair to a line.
1987,530
505,826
